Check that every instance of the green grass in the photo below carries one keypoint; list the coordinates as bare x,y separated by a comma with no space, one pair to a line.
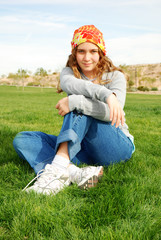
125,205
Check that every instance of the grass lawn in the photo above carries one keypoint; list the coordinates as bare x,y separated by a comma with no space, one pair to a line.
125,205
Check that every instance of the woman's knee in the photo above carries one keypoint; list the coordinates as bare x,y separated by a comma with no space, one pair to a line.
23,139
18,139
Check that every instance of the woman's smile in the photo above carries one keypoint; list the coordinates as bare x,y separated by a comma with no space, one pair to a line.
87,57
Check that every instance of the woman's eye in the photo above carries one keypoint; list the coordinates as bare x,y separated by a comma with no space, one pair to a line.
80,51
94,51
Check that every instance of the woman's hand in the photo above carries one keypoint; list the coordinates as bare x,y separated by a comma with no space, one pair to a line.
116,112
63,106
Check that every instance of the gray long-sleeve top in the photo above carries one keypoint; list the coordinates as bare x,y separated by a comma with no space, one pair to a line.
90,99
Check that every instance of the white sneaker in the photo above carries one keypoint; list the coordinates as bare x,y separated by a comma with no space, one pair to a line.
87,177
49,181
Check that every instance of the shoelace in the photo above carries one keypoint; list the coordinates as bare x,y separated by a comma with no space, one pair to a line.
85,172
82,173
39,174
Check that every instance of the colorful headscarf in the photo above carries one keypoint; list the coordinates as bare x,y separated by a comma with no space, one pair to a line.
88,33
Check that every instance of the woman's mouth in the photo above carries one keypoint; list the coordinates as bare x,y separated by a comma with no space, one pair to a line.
87,64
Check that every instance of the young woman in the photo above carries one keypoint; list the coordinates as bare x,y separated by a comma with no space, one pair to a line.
94,129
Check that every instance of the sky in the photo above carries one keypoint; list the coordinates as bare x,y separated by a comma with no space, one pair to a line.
38,33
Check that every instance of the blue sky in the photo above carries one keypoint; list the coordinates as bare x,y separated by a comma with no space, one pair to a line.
37,33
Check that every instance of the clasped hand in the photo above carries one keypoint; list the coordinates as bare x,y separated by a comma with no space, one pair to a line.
63,106
116,112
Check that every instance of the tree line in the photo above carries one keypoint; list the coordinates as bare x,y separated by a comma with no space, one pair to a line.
22,73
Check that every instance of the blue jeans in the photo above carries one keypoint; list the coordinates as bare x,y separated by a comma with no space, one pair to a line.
89,140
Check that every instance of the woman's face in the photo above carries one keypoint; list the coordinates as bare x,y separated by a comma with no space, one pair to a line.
87,57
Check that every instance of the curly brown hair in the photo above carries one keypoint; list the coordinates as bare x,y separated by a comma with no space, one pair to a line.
104,65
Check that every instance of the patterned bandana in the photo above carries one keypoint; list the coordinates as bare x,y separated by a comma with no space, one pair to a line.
88,33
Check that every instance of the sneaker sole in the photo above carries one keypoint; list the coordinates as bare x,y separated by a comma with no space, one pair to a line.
47,190
92,181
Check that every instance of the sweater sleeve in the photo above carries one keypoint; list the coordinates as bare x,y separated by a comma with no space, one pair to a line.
89,107
72,85
118,86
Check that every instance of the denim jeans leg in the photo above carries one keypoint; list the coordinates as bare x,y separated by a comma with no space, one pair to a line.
36,148
89,140
94,142
73,131
107,144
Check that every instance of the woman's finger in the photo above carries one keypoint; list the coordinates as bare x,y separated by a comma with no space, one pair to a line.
115,116
111,113
118,118
57,105
122,117
60,112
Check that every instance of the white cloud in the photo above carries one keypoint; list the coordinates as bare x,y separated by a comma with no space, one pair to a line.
102,2
51,2
33,27
32,37
22,23
25,20
138,27
138,2
137,50
30,57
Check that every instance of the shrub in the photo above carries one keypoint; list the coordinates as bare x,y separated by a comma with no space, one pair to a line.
154,89
33,84
130,83
132,89
142,88
12,75
4,83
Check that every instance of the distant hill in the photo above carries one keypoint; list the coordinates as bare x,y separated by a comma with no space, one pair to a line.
51,80
146,75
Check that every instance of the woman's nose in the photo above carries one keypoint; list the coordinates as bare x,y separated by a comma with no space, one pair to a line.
87,57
